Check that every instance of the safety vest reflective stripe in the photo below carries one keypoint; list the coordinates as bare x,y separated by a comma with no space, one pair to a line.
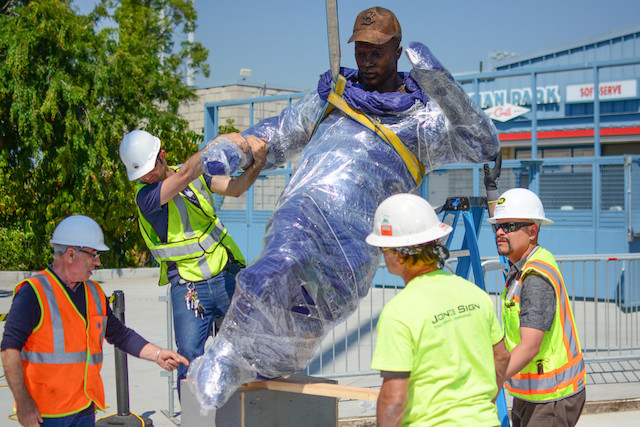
198,184
547,382
184,216
514,292
95,294
171,251
203,265
56,318
96,297
573,385
58,358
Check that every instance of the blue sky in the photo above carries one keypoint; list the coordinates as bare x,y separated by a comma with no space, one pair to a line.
284,42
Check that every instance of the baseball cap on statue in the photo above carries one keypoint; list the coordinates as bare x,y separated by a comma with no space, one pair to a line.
376,25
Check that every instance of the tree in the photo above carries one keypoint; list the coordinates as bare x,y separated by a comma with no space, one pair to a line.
70,87
228,127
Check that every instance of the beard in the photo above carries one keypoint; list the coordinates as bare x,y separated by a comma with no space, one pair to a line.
502,250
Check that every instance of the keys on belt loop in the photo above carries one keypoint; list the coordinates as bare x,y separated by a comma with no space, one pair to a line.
192,301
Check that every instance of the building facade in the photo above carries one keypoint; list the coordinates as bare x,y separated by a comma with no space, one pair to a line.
194,112
562,79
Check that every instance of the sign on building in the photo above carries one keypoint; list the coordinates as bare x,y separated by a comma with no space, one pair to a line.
607,91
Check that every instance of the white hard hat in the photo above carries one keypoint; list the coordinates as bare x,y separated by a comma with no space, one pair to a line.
519,203
138,151
79,230
405,220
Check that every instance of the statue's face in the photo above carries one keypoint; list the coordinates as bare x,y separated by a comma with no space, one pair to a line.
378,65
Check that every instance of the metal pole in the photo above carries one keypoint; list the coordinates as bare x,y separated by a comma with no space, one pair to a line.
122,370
597,148
534,117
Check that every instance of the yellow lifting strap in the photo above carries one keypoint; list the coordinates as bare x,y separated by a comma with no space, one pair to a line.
336,100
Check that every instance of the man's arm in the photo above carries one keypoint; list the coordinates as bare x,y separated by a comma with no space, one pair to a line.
525,351
192,169
129,341
27,409
228,186
392,401
501,357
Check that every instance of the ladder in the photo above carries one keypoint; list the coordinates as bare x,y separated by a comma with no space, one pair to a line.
472,210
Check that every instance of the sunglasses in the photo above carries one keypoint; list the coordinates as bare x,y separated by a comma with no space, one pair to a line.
95,256
509,227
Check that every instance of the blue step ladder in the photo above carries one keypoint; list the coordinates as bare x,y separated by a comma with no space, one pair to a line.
472,210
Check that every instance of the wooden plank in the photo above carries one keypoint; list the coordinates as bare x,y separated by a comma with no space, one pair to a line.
316,389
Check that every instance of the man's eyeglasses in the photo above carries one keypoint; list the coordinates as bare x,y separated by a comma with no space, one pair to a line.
95,256
509,227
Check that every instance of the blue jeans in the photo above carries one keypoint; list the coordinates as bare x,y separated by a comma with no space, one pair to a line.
192,331
84,418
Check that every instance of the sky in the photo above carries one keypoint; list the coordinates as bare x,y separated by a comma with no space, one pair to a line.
284,42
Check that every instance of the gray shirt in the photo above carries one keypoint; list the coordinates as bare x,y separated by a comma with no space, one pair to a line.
537,298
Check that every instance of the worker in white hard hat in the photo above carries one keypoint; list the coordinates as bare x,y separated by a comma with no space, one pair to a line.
54,332
546,374
178,222
440,348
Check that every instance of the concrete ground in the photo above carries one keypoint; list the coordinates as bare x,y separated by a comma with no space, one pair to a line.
613,390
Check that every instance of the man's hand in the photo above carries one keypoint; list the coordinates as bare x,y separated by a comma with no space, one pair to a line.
239,140
170,360
257,146
165,358
28,412
26,408
259,150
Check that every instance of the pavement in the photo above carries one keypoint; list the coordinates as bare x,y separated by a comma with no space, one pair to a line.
613,388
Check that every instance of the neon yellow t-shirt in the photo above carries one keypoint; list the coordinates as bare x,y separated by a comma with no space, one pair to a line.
441,328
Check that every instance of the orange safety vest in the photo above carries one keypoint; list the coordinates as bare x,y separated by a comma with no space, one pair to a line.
62,357
558,370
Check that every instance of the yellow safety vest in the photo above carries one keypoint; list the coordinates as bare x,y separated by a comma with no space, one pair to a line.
196,239
558,370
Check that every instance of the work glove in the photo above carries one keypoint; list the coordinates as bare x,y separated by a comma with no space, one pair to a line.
491,178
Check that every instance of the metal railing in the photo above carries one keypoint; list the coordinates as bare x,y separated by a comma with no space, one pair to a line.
605,301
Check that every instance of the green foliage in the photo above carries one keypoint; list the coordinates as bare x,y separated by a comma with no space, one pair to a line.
19,251
228,127
70,87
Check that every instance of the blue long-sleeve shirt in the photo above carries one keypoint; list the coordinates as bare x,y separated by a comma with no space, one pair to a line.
24,315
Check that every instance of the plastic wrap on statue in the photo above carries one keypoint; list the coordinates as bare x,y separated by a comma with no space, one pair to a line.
315,265
223,157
